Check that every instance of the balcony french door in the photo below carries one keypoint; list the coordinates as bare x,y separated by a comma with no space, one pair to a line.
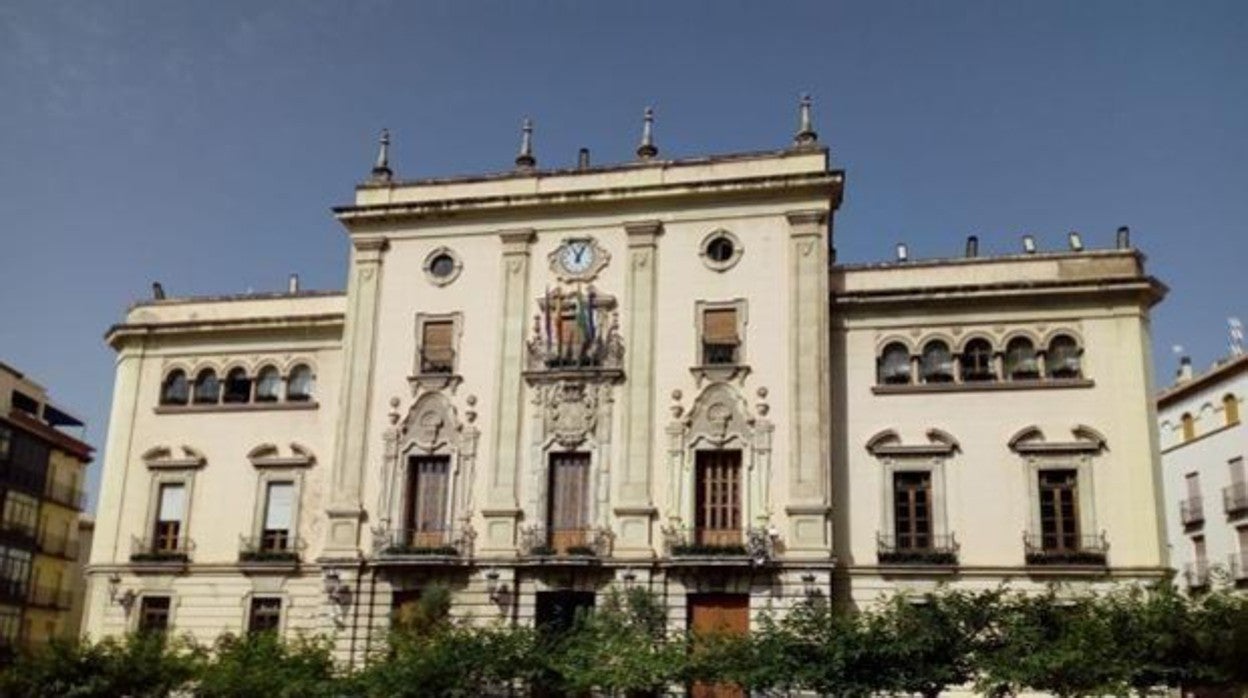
718,515
425,518
1059,510
912,509
568,501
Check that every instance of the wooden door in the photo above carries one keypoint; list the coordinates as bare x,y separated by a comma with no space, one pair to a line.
568,501
724,614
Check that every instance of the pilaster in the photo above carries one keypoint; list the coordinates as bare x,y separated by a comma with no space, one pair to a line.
634,507
810,396
345,512
109,546
501,508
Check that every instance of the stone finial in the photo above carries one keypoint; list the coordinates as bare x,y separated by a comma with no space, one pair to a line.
525,160
381,168
805,135
647,149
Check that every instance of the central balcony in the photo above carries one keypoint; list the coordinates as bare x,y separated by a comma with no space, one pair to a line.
695,546
424,546
917,550
586,545
1065,550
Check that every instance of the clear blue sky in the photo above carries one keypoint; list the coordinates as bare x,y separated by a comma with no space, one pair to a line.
203,143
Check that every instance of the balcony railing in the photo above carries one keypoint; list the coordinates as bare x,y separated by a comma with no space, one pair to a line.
1192,511
1196,574
1085,550
13,590
440,361
58,545
424,543
917,550
270,546
67,495
1235,499
163,549
1239,572
49,596
756,543
719,353
587,542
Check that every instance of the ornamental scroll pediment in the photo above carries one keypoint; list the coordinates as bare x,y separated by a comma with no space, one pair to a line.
719,416
430,424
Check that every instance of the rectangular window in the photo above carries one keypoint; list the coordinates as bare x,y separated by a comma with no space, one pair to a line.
720,340
427,490
20,512
1192,481
265,615
169,516
437,350
1059,510
10,625
279,504
912,508
14,573
1242,534
1236,467
1200,554
568,507
718,515
154,614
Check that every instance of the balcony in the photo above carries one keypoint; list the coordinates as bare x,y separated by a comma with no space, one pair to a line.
66,495
161,550
566,545
938,550
58,545
702,546
271,548
1192,511
1066,551
47,596
1196,574
448,546
1239,572
13,591
1235,499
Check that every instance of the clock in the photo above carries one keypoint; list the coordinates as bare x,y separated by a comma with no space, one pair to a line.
578,259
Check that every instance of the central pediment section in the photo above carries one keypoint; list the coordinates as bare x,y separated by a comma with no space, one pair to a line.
575,337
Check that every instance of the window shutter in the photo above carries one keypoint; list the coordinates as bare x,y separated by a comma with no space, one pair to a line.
437,340
719,325
280,505
171,502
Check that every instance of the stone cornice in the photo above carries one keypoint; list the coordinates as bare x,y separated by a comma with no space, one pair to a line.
118,334
1146,289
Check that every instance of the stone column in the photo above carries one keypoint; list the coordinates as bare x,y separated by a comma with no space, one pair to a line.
501,510
809,416
634,509
345,511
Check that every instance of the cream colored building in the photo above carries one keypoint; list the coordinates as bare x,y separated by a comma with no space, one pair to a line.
542,383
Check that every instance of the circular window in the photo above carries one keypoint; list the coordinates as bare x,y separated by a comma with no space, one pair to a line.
720,250
442,266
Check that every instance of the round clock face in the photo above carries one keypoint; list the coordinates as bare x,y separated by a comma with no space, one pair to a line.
577,256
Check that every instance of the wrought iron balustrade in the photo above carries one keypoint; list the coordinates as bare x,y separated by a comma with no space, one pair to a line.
161,549
919,549
756,543
1235,499
1053,549
424,542
439,361
270,546
719,353
1192,511
581,542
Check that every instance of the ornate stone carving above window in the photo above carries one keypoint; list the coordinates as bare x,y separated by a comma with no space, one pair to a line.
576,336
888,443
165,458
571,412
270,456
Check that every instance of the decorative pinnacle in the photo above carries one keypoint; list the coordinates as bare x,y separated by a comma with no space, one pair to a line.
381,168
647,150
805,135
525,160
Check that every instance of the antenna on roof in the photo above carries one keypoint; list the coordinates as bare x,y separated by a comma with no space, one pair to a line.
1235,329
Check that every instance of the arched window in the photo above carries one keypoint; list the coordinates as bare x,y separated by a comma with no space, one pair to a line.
1020,359
237,386
1062,358
301,384
207,387
1230,409
894,364
268,385
937,362
977,361
1189,426
175,390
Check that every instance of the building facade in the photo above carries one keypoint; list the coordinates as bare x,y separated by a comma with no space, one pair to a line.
1203,445
543,383
42,471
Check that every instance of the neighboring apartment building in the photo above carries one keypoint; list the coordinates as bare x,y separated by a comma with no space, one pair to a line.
542,383
42,471
1203,446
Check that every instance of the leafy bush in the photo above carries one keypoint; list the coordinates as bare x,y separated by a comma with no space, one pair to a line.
140,666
